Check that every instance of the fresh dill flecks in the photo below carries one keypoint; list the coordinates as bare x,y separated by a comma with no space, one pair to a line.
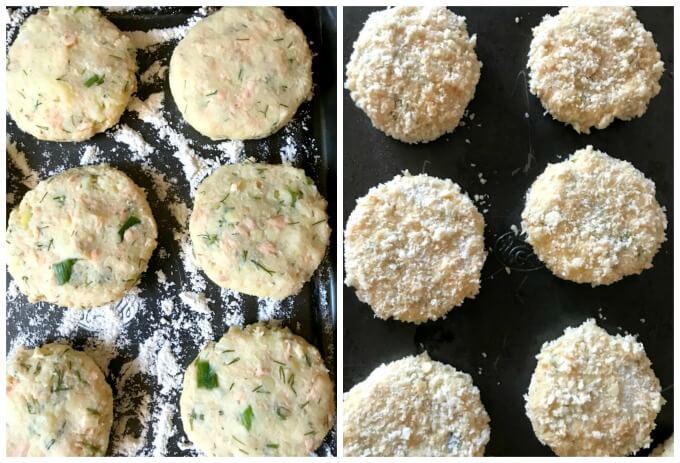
59,386
278,39
45,246
262,267
304,405
43,197
257,389
41,127
37,103
79,8
283,105
234,361
242,39
237,440
214,92
232,386
130,222
61,199
317,223
284,88
282,374
209,238
290,44
278,363
225,198
116,57
94,79
272,446
282,412
307,361
292,223
244,255
310,433
226,351
240,74
32,406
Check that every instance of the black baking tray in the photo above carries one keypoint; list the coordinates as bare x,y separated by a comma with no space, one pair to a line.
316,148
515,313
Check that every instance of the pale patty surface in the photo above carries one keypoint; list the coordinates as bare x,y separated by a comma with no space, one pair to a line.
259,391
241,73
260,229
590,65
70,74
58,403
593,218
68,243
593,394
415,407
413,71
414,248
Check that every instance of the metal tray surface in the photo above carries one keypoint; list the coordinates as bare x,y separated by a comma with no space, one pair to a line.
495,336
312,313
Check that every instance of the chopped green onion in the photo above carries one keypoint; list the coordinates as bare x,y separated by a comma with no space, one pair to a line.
130,222
206,378
94,79
62,270
247,418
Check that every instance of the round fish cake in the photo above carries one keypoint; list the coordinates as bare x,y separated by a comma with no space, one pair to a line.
81,238
593,394
665,449
258,391
414,248
70,74
260,229
593,218
58,404
241,73
590,65
415,407
413,71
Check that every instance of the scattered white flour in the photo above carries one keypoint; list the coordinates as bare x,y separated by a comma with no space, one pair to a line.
271,309
196,302
18,158
289,151
153,37
138,146
90,154
154,73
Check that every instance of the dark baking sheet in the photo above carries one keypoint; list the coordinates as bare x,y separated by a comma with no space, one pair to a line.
515,313
316,148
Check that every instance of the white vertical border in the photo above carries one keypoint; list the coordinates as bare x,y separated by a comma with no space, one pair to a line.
339,224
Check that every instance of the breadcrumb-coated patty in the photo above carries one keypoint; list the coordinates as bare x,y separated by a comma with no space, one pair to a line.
413,71
415,406
593,394
665,449
593,218
414,248
590,65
